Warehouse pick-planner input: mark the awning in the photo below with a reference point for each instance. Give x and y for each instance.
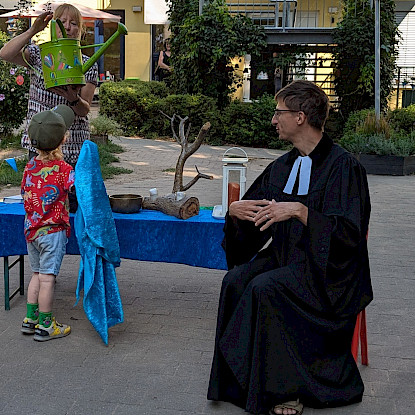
(86, 12)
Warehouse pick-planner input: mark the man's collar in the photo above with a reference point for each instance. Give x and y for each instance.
(319, 153)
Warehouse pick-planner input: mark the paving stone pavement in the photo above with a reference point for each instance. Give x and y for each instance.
(158, 360)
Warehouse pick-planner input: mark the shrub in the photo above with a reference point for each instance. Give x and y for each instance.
(126, 101)
(140, 106)
(103, 125)
(355, 120)
(198, 108)
(397, 144)
(372, 126)
(13, 97)
(402, 119)
(249, 123)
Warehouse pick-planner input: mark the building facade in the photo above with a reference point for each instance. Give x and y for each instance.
(297, 26)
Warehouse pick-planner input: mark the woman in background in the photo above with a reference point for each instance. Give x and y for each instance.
(164, 62)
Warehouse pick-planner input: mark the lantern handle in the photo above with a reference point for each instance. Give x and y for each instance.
(237, 148)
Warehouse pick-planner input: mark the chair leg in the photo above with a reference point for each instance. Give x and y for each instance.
(355, 340)
(363, 338)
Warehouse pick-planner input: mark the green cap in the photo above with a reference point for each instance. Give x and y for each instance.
(47, 128)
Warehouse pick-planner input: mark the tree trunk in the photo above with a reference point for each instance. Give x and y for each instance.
(182, 209)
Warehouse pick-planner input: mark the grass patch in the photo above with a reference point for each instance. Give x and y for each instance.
(10, 142)
(106, 158)
(10, 177)
(171, 170)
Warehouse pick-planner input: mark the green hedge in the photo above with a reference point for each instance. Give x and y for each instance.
(198, 108)
(127, 101)
(249, 123)
(138, 107)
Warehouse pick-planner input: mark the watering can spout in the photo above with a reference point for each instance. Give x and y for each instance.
(121, 30)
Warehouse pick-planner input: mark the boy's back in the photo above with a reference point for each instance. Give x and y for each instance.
(45, 187)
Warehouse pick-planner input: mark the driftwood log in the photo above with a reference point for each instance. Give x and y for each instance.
(187, 149)
(182, 209)
(188, 206)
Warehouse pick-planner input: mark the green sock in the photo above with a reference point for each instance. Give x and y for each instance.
(45, 319)
(32, 311)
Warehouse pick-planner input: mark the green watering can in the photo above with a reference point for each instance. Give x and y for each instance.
(62, 58)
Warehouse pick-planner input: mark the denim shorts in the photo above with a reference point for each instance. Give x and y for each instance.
(46, 252)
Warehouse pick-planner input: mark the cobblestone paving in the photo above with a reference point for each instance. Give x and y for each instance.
(158, 360)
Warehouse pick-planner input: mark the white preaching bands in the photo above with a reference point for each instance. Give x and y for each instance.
(304, 164)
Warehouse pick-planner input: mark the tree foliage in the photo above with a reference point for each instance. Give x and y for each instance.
(355, 54)
(14, 87)
(204, 46)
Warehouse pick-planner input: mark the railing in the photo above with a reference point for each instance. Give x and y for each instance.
(405, 86)
(283, 14)
(318, 71)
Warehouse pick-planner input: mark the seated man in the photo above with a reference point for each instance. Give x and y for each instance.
(288, 308)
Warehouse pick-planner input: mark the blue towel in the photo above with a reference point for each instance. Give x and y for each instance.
(98, 245)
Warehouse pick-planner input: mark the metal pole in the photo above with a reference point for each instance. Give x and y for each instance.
(201, 7)
(397, 90)
(377, 59)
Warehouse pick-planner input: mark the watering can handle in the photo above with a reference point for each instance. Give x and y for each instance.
(28, 64)
(53, 29)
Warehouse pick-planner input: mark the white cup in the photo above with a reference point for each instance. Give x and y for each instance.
(153, 193)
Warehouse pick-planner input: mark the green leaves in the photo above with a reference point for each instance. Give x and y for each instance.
(355, 54)
(203, 47)
(14, 87)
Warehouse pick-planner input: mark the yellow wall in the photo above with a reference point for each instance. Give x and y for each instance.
(138, 40)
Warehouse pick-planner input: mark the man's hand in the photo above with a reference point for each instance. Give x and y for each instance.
(279, 212)
(247, 209)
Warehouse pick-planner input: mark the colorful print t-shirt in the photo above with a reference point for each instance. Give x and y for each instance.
(45, 188)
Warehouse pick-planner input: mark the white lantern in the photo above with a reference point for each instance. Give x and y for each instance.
(233, 165)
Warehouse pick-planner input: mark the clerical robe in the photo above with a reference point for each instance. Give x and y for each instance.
(289, 303)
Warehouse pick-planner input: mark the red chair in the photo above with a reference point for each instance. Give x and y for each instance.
(360, 334)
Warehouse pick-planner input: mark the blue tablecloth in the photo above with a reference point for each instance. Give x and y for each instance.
(145, 236)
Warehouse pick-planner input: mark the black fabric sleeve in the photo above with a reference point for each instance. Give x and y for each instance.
(243, 239)
(337, 250)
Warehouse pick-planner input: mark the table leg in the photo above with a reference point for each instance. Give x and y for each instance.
(6, 283)
(20, 289)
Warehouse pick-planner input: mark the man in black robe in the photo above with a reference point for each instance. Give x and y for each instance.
(299, 272)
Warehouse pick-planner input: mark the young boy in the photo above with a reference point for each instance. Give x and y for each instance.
(47, 179)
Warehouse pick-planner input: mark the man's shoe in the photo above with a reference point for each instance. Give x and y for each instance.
(28, 325)
(55, 331)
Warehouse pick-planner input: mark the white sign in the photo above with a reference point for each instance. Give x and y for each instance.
(155, 11)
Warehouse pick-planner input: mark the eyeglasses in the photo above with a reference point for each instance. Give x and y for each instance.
(278, 112)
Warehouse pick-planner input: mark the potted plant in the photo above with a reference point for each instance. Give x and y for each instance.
(385, 146)
(101, 127)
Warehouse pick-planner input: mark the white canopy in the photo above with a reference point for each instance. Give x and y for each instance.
(155, 12)
(86, 12)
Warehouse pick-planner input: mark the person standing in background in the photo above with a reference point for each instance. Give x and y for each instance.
(164, 68)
